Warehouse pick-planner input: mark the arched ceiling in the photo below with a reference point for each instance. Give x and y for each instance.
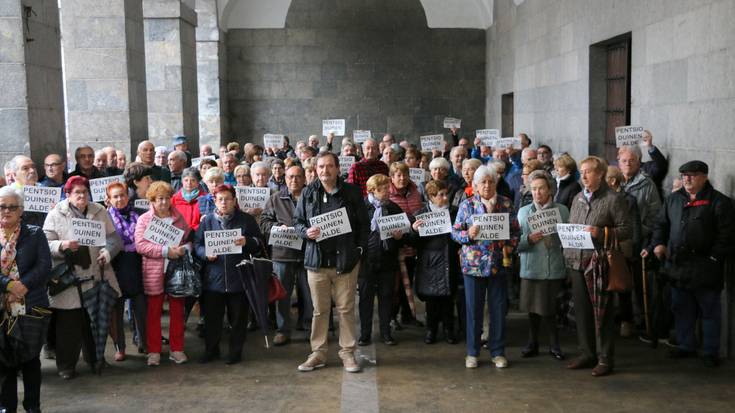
(271, 14)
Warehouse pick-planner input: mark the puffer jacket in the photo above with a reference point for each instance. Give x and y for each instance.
(606, 208)
(189, 209)
(543, 260)
(58, 228)
(408, 199)
(279, 210)
(649, 203)
(33, 259)
(437, 263)
(222, 275)
(153, 254)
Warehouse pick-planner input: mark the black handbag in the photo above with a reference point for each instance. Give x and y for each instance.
(182, 279)
(21, 337)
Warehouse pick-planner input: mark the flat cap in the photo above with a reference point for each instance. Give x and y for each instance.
(179, 140)
(693, 167)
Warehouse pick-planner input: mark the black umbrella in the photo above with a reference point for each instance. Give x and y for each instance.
(98, 302)
(256, 273)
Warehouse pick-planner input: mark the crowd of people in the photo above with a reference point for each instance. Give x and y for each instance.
(466, 278)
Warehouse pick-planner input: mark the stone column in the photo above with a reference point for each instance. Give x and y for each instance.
(171, 71)
(31, 92)
(211, 76)
(104, 73)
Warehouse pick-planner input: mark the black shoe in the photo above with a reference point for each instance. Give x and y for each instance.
(449, 336)
(207, 357)
(651, 341)
(388, 340)
(31, 410)
(98, 367)
(252, 326)
(67, 374)
(556, 353)
(711, 361)
(395, 325)
(677, 353)
(233, 359)
(364, 341)
(530, 350)
(430, 337)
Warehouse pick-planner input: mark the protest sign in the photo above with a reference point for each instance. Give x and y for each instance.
(345, 163)
(98, 187)
(272, 141)
(574, 236)
(417, 175)
(141, 204)
(361, 136)
(504, 143)
(332, 223)
(195, 162)
(40, 198)
(252, 196)
(285, 237)
(493, 227)
(628, 135)
(488, 137)
(88, 232)
(161, 233)
(222, 242)
(335, 126)
(388, 224)
(431, 142)
(450, 123)
(435, 223)
(544, 221)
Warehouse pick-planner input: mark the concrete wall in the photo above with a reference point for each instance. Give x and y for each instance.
(375, 64)
(211, 75)
(682, 81)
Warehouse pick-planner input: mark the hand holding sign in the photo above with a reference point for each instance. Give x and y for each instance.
(575, 236)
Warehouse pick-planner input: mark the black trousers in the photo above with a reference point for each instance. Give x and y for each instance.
(371, 283)
(215, 304)
(31, 385)
(439, 309)
(73, 334)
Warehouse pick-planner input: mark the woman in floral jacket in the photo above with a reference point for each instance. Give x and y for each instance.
(484, 264)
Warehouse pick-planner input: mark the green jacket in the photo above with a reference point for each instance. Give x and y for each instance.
(543, 260)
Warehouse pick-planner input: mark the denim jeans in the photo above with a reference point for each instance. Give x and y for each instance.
(287, 272)
(495, 290)
(687, 306)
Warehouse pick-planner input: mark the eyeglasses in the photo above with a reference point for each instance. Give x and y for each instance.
(10, 208)
(51, 165)
(690, 175)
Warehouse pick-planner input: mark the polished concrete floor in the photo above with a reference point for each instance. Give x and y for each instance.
(410, 377)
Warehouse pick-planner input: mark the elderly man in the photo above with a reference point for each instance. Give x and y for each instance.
(456, 156)
(100, 160)
(314, 142)
(332, 263)
(84, 155)
(181, 143)
(206, 150)
(25, 174)
(229, 163)
(370, 165)
(387, 140)
(8, 174)
(55, 176)
(288, 263)
(694, 236)
(546, 156)
(122, 160)
(146, 153)
(176, 165)
(112, 168)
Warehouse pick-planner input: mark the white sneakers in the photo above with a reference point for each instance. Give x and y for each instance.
(154, 359)
(470, 362)
(178, 357)
(500, 362)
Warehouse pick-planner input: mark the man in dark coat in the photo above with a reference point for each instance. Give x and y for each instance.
(694, 235)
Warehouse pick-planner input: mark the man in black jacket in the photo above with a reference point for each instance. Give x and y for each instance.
(694, 235)
(332, 263)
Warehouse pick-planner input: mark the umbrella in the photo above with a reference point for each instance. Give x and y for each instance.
(98, 302)
(595, 276)
(255, 274)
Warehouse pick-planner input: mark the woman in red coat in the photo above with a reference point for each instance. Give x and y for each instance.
(186, 201)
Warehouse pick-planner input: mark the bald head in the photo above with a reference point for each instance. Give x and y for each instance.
(147, 152)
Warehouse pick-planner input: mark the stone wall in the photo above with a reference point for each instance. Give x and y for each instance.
(211, 75)
(682, 82)
(375, 64)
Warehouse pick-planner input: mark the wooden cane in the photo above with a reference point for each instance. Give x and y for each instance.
(645, 298)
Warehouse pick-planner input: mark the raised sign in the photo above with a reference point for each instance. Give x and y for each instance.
(40, 198)
(431, 142)
(628, 135)
(361, 136)
(450, 123)
(335, 126)
(488, 137)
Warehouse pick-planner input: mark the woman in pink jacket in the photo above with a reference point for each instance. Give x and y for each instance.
(155, 259)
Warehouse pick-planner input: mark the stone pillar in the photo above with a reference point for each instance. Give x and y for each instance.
(104, 73)
(211, 76)
(31, 92)
(171, 71)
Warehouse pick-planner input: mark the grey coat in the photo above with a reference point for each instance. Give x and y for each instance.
(649, 203)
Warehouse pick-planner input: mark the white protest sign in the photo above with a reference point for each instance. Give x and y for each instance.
(361, 136)
(450, 123)
(544, 221)
(98, 186)
(418, 175)
(141, 204)
(335, 126)
(435, 223)
(331, 224)
(87, 232)
(252, 197)
(285, 237)
(345, 163)
(222, 242)
(574, 236)
(388, 224)
(161, 233)
(493, 227)
(195, 162)
(488, 137)
(40, 198)
(272, 141)
(504, 143)
(628, 135)
(431, 142)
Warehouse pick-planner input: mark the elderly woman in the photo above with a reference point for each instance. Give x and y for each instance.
(403, 191)
(214, 178)
(277, 181)
(25, 265)
(155, 260)
(469, 166)
(206, 164)
(524, 197)
(484, 265)
(254, 154)
(242, 176)
(138, 178)
(566, 180)
(437, 268)
(542, 265)
(90, 263)
(439, 170)
(598, 208)
(186, 200)
(128, 268)
(223, 287)
(309, 170)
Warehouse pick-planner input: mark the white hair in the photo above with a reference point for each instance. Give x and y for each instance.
(633, 149)
(178, 154)
(8, 191)
(439, 163)
(260, 164)
(457, 149)
(161, 150)
(12, 165)
(482, 172)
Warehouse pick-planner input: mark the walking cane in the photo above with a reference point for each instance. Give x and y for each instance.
(645, 298)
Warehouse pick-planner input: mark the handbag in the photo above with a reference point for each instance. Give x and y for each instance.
(276, 290)
(22, 336)
(182, 279)
(619, 277)
(62, 276)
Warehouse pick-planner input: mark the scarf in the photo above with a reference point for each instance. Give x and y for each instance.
(224, 220)
(125, 220)
(188, 196)
(378, 211)
(77, 212)
(434, 207)
(468, 191)
(8, 265)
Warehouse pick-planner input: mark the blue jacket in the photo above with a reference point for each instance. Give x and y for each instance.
(222, 275)
(34, 265)
(540, 261)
